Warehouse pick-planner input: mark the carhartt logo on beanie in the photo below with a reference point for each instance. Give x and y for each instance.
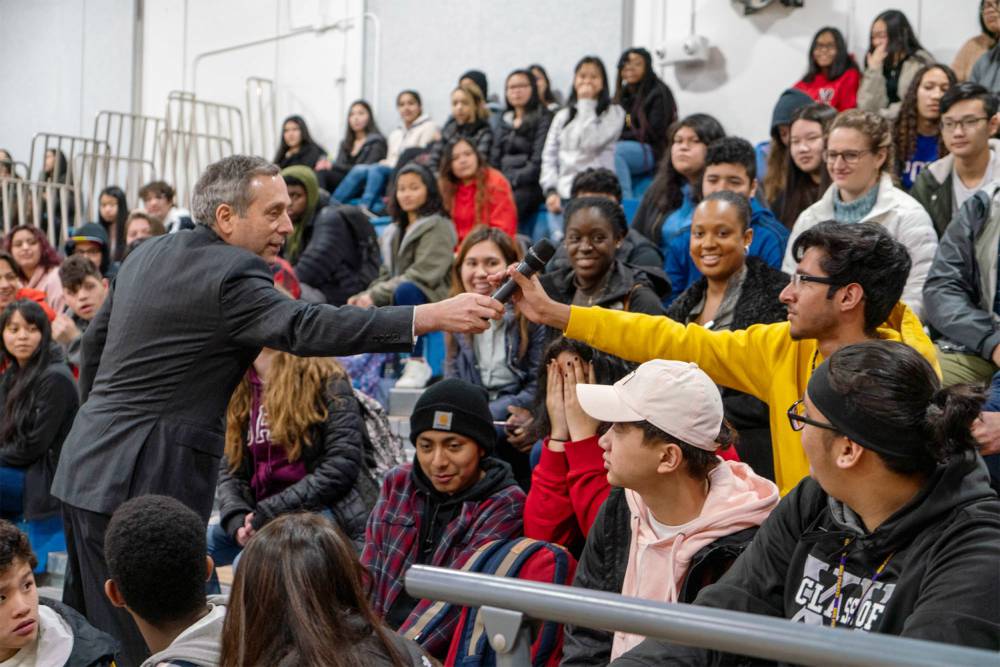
(457, 406)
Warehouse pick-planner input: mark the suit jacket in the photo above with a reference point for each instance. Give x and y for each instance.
(186, 316)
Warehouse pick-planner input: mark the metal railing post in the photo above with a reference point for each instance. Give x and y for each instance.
(508, 634)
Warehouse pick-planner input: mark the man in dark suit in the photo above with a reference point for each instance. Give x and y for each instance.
(185, 318)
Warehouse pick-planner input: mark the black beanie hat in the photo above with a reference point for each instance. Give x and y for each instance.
(457, 406)
(480, 80)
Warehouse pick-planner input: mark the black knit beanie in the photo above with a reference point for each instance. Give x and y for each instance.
(457, 406)
(480, 80)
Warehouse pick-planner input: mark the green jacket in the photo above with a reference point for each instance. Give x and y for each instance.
(422, 255)
(933, 189)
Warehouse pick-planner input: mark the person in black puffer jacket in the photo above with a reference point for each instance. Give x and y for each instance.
(363, 144)
(649, 110)
(333, 248)
(38, 401)
(594, 277)
(517, 146)
(294, 442)
(750, 289)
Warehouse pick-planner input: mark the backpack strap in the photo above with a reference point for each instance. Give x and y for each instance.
(475, 563)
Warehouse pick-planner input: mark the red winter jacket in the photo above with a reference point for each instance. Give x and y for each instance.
(498, 210)
(841, 93)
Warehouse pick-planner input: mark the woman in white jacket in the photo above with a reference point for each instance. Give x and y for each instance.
(582, 135)
(858, 156)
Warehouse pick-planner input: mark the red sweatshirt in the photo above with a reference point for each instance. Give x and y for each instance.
(567, 490)
(841, 93)
(499, 210)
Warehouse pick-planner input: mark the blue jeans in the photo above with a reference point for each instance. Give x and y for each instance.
(368, 180)
(408, 294)
(555, 226)
(224, 551)
(11, 493)
(632, 158)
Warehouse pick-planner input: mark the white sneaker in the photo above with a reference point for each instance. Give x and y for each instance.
(415, 375)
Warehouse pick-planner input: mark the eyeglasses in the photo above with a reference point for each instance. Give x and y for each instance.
(820, 46)
(991, 4)
(797, 418)
(850, 157)
(969, 123)
(798, 278)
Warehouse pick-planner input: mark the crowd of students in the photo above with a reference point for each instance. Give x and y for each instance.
(763, 378)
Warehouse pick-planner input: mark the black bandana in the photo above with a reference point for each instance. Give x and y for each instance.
(869, 432)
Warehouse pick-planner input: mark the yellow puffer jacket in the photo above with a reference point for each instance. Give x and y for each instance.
(762, 361)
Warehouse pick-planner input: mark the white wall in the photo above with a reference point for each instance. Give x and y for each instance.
(754, 58)
(60, 63)
(316, 75)
(428, 45)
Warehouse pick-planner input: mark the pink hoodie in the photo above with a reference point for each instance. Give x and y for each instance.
(737, 499)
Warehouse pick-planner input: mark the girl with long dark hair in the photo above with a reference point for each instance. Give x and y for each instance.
(833, 77)
(39, 262)
(806, 177)
(894, 56)
(39, 400)
(916, 134)
(363, 143)
(649, 109)
(297, 146)
(416, 257)
(518, 143)
(582, 135)
(667, 206)
(302, 570)
(549, 97)
(473, 192)
(112, 214)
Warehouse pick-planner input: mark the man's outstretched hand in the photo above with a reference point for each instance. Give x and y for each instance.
(532, 300)
(463, 313)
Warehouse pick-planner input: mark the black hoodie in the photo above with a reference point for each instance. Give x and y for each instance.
(942, 582)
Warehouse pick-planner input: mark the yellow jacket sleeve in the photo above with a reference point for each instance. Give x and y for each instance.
(743, 360)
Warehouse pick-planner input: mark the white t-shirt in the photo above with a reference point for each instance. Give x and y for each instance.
(961, 193)
(53, 646)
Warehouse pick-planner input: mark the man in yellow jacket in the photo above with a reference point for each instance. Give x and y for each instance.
(846, 289)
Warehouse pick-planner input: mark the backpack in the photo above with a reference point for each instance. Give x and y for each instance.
(366, 241)
(519, 558)
(383, 448)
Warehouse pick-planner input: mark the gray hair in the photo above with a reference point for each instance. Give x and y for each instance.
(228, 182)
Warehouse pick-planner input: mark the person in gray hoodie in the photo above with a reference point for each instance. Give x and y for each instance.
(155, 548)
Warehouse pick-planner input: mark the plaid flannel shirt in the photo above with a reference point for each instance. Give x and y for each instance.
(391, 544)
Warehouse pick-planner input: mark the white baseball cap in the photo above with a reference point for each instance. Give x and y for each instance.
(675, 396)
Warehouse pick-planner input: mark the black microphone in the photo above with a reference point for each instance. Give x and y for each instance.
(535, 260)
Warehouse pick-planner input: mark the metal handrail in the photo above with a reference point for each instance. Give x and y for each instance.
(720, 629)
